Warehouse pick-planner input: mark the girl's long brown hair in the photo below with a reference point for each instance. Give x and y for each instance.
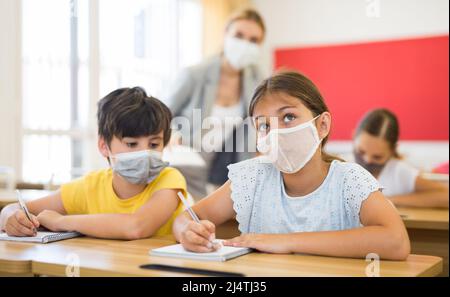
(381, 123)
(295, 85)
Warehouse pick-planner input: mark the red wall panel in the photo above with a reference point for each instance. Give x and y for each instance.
(410, 77)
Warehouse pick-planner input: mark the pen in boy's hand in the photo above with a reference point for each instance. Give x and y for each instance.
(24, 208)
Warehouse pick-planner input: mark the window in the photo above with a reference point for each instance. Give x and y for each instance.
(50, 102)
(152, 40)
(143, 43)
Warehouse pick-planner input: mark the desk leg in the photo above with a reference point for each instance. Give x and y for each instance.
(430, 242)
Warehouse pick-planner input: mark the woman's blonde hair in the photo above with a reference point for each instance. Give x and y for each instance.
(247, 14)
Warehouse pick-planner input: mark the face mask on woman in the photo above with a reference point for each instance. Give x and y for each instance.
(290, 149)
(241, 53)
(140, 167)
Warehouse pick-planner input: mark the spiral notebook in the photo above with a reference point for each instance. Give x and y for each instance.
(41, 237)
(223, 254)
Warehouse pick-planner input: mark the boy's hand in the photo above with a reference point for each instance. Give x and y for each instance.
(198, 237)
(51, 220)
(18, 224)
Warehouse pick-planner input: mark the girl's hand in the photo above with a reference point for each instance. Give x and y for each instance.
(51, 220)
(267, 243)
(198, 237)
(18, 224)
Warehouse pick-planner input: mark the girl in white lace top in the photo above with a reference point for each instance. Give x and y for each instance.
(295, 198)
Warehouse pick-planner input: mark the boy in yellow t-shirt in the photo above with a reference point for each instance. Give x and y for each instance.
(135, 198)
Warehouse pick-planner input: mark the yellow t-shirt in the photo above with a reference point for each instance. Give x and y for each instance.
(94, 194)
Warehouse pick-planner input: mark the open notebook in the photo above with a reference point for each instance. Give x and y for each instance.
(41, 237)
(223, 254)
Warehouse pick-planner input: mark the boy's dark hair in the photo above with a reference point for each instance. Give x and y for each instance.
(129, 112)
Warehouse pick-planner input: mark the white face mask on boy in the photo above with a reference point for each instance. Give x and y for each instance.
(140, 167)
(241, 53)
(290, 149)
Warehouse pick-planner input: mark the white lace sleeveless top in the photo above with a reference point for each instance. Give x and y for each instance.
(262, 205)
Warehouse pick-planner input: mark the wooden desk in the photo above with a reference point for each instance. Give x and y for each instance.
(8, 197)
(414, 218)
(427, 229)
(123, 258)
(424, 218)
(15, 258)
(428, 232)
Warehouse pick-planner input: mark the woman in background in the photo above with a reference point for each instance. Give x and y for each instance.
(375, 148)
(221, 87)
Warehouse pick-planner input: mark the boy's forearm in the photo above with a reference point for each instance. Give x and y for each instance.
(353, 243)
(117, 226)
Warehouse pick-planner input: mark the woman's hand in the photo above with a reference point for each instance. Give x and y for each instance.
(267, 243)
(199, 237)
(51, 220)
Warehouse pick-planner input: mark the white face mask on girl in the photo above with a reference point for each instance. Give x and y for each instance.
(290, 149)
(241, 53)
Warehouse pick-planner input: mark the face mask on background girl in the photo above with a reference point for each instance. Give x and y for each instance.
(373, 168)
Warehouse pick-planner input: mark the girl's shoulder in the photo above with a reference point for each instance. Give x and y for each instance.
(342, 171)
(353, 181)
(258, 166)
(256, 161)
(355, 173)
(356, 186)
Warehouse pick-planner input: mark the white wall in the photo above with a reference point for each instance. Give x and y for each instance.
(321, 22)
(10, 140)
(318, 22)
